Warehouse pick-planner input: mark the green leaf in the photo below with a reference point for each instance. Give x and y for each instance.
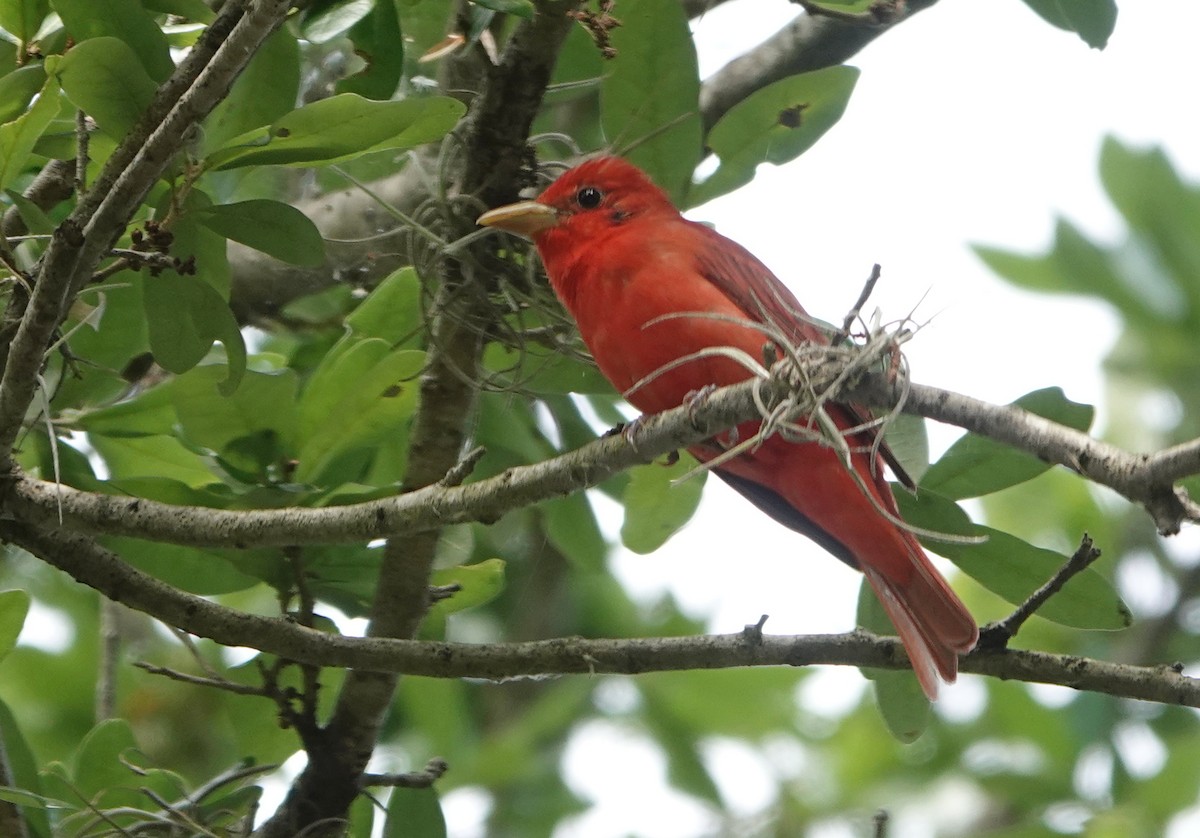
(392, 311)
(207, 250)
(345, 576)
(364, 394)
(849, 7)
(149, 413)
(125, 20)
(23, 774)
(17, 90)
(649, 99)
(571, 527)
(362, 815)
(412, 812)
(520, 8)
(97, 767)
(1092, 20)
(680, 740)
(14, 605)
(273, 227)
(18, 137)
(898, 695)
(152, 456)
(481, 583)
(265, 91)
(264, 402)
(656, 507)
(204, 572)
(908, 438)
(324, 20)
(339, 128)
(1014, 569)
(975, 465)
(902, 704)
(36, 221)
(541, 370)
(194, 10)
(1075, 265)
(379, 42)
(23, 18)
(1162, 211)
(185, 316)
(103, 77)
(775, 124)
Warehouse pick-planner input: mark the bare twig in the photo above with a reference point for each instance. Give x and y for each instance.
(463, 468)
(202, 681)
(998, 634)
(856, 310)
(110, 653)
(81, 151)
(423, 779)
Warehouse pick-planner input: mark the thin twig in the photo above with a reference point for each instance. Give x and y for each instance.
(856, 310)
(998, 634)
(463, 468)
(110, 653)
(200, 681)
(81, 151)
(423, 779)
(189, 644)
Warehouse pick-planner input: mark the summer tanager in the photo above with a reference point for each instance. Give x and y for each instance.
(633, 273)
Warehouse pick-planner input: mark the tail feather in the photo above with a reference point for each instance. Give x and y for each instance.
(933, 624)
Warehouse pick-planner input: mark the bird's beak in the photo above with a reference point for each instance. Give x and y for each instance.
(525, 218)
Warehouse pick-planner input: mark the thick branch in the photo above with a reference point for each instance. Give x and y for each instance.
(1145, 479)
(100, 569)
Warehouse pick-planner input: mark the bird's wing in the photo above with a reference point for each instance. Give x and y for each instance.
(758, 292)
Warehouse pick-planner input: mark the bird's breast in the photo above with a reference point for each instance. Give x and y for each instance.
(659, 330)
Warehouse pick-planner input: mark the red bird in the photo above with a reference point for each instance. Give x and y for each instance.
(622, 260)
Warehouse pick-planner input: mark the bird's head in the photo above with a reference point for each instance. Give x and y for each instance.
(588, 201)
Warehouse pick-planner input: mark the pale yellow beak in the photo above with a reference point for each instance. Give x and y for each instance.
(525, 218)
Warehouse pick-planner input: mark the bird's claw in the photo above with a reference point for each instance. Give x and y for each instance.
(630, 430)
(696, 399)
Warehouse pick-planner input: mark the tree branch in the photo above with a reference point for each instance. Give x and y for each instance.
(998, 634)
(93, 565)
(1144, 479)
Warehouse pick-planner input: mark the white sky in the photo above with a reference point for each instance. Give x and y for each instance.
(972, 122)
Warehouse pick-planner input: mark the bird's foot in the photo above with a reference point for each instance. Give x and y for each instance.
(628, 431)
(696, 399)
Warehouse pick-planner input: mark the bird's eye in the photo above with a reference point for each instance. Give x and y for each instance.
(589, 197)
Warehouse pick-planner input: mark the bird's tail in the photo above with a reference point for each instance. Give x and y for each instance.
(933, 624)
